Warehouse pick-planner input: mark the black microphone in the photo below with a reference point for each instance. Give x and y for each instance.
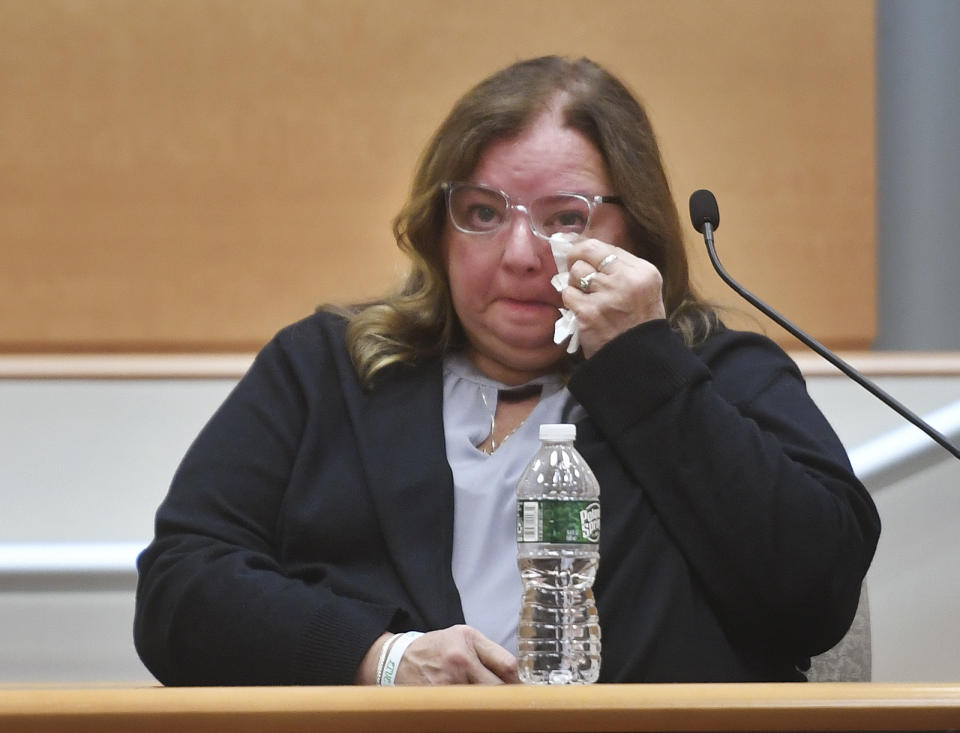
(705, 215)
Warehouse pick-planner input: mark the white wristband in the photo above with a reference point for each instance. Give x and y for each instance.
(383, 656)
(394, 656)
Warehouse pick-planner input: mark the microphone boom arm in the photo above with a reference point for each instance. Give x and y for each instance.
(822, 350)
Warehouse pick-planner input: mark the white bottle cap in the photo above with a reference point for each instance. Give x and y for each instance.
(561, 431)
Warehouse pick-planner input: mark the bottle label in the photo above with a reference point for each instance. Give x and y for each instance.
(558, 521)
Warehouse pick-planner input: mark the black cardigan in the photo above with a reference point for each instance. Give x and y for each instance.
(309, 516)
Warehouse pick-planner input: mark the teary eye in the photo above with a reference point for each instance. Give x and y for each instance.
(480, 214)
(565, 220)
(569, 219)
(561, 213)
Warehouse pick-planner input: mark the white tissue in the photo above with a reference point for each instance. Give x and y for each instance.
(566, 326)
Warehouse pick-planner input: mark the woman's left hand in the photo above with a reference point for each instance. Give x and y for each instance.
(622, 291)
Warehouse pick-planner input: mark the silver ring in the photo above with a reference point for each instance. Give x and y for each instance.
(612, 257)
(585, 282)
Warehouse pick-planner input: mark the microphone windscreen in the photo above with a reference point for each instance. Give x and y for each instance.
(703, 208)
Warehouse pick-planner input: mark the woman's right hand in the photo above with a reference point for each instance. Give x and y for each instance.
(456, 655)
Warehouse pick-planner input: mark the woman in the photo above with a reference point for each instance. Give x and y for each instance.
(359, 481)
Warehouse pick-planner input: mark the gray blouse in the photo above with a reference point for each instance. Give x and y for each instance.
(485, 489)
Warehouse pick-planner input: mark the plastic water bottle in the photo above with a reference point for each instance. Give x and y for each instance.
(558, 535)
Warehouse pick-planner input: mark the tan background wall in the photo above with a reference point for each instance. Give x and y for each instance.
(194, 174)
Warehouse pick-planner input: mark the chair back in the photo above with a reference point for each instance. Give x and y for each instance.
(851, 659)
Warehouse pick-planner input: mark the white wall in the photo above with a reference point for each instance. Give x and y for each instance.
(84, 461)
(88, 461)
(914, 583)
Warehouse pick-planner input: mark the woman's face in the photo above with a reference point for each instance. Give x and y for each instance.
(500, 282)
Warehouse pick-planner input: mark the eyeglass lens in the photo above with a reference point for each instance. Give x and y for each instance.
(483, 210)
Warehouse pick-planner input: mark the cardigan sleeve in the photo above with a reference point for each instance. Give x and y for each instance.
(214, 605)
(745, 474)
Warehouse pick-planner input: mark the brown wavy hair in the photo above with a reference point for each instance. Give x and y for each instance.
(419, 321)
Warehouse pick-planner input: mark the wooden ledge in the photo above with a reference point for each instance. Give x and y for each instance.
(883, 363)
(233, 365)
(681, 707)
(124, 366)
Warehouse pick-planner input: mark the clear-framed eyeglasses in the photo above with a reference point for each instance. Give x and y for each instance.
(476, 209)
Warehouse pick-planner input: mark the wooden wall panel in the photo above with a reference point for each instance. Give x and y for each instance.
(194, 174)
